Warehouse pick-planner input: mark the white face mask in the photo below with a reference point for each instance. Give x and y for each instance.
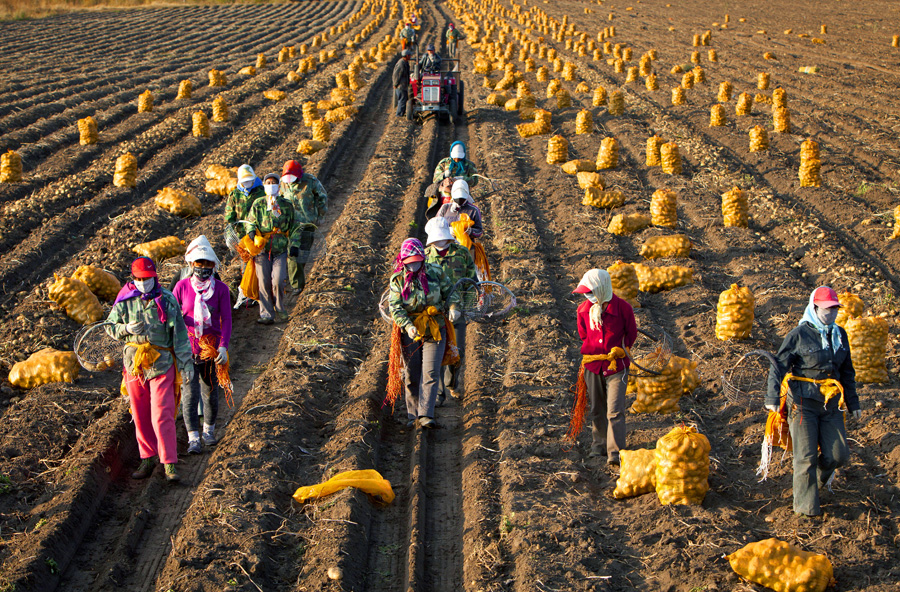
(144, 286)
(591, 298)
(441, 244)
(271, 189)
(414, 266)
(247, 184)
(827, 316)
(288, 179)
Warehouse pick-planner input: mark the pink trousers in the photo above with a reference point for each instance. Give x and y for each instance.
(153, 409)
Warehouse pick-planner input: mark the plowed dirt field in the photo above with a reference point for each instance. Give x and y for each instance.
(496, 499)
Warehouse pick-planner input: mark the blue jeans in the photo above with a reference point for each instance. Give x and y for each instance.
(820, 446)
(401, 94)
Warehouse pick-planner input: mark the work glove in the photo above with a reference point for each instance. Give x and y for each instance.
(772, 408)
(187, 373)
(294, 252)
(454, 314)
(412, 331)
(252, 234)
(136, 328)
(222, 358)
(857, 414)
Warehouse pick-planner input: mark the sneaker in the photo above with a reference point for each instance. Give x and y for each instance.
(440, 400)
(282, 317)
(144, 469)
(172, 473)
(427, 423)
(613, 460)
(209, 439)
(265, 321)
(194, 447)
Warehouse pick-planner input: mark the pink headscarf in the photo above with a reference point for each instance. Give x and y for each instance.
(409, 248)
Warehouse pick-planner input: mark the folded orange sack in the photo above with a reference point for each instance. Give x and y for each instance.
(370, 481)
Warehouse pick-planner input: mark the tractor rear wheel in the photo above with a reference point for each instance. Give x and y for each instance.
(460, 99)
(454, 111)
(410, 109)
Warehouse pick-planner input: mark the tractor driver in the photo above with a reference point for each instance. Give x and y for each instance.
(431, 61)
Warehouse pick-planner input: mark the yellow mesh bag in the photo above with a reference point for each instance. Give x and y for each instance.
(321, 131)
(599, 98)
(588, 179)
(637, 474)
(762, 81)
(10, 167)
(779, 98)
(724, 94)
(563, 99)
(624, 282)
(670, 158)
(682, 467)
(200, 125)
(102, 283)
(675, 245)
(717, 117)
(735, 207)
(185, 89)
(608, 155)
(247, 71)
(145, 102)
(658, 393)
(161, 249)
(734, 313)
(810, 166)
(310, 146)
(781, 120)
(623, 224)
(369, 481)
(219, 110)
(782, 567)
(76, 299)
(759, 139)
(573, 167)
(340, 114)
(125, 174)
(664, 208)
(744, 104)
(851, 307)
(557, 149)
(87, 131)
(584, 122)
(651, 83)
(616, 103)
(275, 95)
(594, 196)
(667, 277)
(690, 378)
(178, 202)
(43, 367)
(217, 78)
(678, 96)
(868, 345)
(221, 187)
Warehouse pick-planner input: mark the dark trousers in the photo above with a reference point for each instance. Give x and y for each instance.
(453, 374)
(401, 94)
(606, 395)
(296, 266)
(820, 447)
(204, 386)
(422, 374)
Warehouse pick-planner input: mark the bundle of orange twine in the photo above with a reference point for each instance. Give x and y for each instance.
(209, 351)
(580, 407)
(395, 366)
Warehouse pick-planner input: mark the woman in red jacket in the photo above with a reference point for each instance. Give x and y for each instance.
(606, 326)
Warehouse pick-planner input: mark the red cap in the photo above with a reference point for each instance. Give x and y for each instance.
(825, 297)
(413, 258)
(582, 289)
(292, 167)
(143, 267)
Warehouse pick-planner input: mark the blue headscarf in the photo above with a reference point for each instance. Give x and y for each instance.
(809, 316)
(458, 169)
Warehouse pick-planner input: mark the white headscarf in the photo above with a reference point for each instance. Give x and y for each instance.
(203, 290)
(460, 189)
(600, 284)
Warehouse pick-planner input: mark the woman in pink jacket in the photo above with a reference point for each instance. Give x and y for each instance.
(206, 306)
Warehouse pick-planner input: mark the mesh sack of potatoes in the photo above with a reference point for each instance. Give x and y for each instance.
(274, 95)
(851, 307)
(260, 61)
(651, 83)
(690, 378)
(217, 171)
(712, 55)
(310, 113)
(247, 71)
(161, 249)
(200, 125)
(527, 113)
(340, 114)
(734, 313)
(552, 87)
(221, 187)
(744, 104)
(321, 130)
(557, 149)
(868, 345)
(588, 179)
(293, 77)
(608, 155)
(573, 167)
(622, 224)
(563, 99)
(762, 98)
(674, 245)
(219, 110)
(658, 393)
(782, 567)
(779, 98)
(781, 120)
(759, 139)
(624, 282)
(667, 277)
(582, 87)
(43, 367)
(512, 104)
(616, 103)
(810, 165)
(178, 202)
(310, 146)
(343, 95)
(584, 122)
(695, 57)
(678, 96)
(497, 99)
(664, 208)
(99, 281)
(10, 167)
(724, 94)
(125, 174)
(76, 299)
(717, 116)
(599, 98)
(145, 102)
(735, 208)
(637, 473)
(598, 198)
(87, 131)
(631, 74)
(682, 466)
(217, 78)
(185, 89)
(687, 80)
(670, 158)
(762, 80)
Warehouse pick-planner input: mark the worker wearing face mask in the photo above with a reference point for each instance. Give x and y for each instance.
(310, 203)
(814, 381)
(274, 229)
(157, 358)
(437, 194)
(462, 203)
(457, 263)
(456, 166)
(249, 189)
(206, 307)
(418, 291)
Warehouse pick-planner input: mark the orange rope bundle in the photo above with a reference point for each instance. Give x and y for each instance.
(580, 407)
(395, 364)
(481, 261)
(209, 351)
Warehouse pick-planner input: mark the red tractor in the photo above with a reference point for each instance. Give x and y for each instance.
(439, 93)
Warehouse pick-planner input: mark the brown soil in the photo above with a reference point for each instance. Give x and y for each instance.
(496, 500)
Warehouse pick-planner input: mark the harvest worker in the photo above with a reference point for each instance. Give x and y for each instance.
(157, 358)
(607, 329)
(437, 194)
(273, 229)
(456, 166)
(452, 38)
(248, 190)
(206, 307)
(462, 203)
(407, 36)
(457, 263)
(814, 380)
(400, 78)
(310, 203)
(418, 293)
(430, 63)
